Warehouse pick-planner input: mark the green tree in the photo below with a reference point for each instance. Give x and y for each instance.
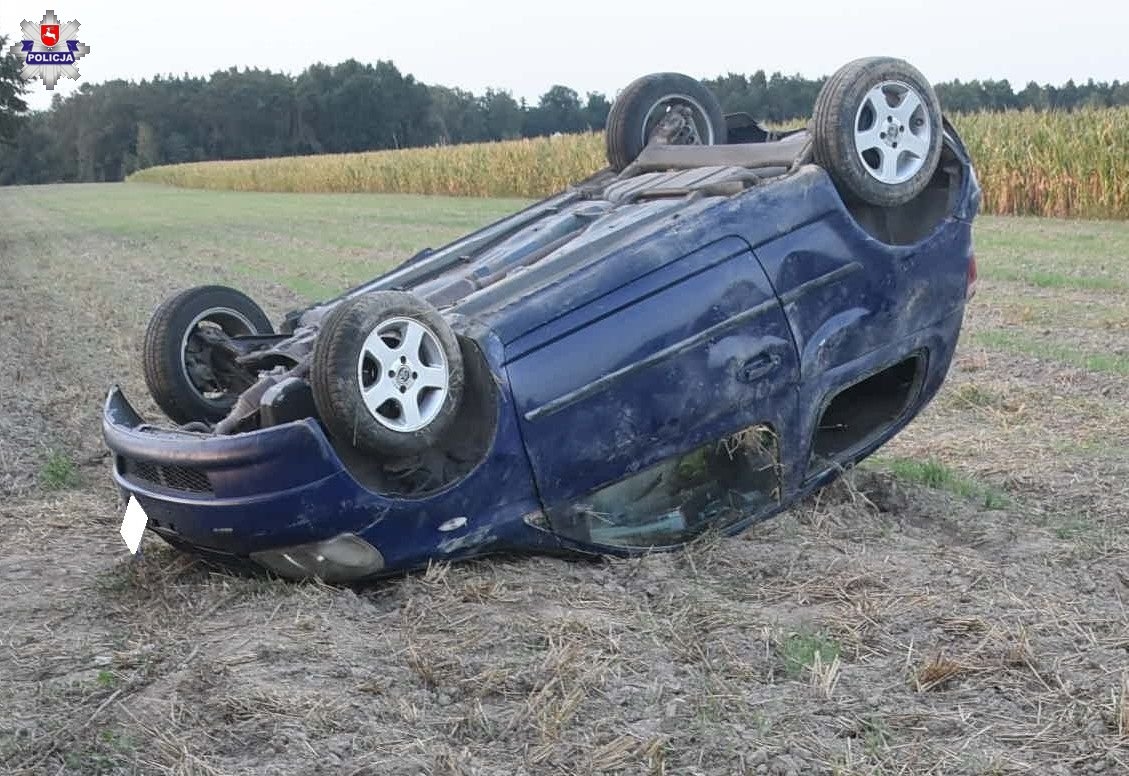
(148, 147)
(456, 115)
(596, 111)
(502, 115)
(1119, 93)
(12, 89)
(558, 111)
(1033, 96)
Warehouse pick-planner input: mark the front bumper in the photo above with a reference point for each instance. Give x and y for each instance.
(264, 496)
(224, 467)
(282, 498)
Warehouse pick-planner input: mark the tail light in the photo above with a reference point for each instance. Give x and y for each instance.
(971, 289)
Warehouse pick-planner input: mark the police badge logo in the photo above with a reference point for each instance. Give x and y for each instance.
(50, 50)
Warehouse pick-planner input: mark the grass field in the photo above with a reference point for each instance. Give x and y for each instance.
(956, 606)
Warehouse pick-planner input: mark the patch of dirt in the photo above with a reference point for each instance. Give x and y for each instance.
(880, 627)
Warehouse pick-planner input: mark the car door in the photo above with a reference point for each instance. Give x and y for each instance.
(853, 302)
(672, 365)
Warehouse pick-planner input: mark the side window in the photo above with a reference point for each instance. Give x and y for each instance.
(715, 485)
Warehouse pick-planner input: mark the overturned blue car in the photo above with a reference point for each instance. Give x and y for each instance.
(692, 339)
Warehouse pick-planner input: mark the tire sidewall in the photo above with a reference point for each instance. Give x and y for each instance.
(627, 118)
(337, 392)
(835, 142)
(165, 344)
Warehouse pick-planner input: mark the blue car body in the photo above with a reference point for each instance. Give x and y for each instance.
(619, 337)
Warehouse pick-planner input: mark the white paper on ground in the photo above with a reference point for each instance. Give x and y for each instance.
(133, 524)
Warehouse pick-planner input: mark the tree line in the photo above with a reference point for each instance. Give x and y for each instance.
(103, 132)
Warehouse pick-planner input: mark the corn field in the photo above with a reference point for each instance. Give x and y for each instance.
(1051, 164)
(517, 168)
(1073, 165)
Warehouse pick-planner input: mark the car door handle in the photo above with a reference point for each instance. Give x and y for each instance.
(757, 367)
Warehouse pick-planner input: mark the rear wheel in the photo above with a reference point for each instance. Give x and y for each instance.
(667, 107)
(387, 373)
(877, 130)
(186, 378)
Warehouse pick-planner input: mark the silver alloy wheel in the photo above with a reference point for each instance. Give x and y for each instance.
(231, 322)
(700, 129)
(402, 374)
(892, 132)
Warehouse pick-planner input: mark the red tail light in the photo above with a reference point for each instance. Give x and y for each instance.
(971, 291)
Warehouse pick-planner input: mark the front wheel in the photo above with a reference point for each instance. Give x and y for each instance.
(187, 379)
(387, 373)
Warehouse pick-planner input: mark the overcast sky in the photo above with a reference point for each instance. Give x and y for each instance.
(526, 46)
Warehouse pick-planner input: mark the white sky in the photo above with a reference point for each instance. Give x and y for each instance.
(525, 46)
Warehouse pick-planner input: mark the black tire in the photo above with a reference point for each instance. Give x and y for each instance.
(628, 122)
(167, 339)
(840, 112)
(336, 379)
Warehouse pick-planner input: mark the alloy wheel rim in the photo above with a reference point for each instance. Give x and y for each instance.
(892, 132)
(402, 374)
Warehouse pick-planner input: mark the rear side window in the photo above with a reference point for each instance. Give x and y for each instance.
(715, 485)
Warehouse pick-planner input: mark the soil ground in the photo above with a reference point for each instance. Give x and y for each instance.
(954, 606)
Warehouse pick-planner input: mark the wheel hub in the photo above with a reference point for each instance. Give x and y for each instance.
(677, 119)
(404, 377)
(195, 348)
(891, 133)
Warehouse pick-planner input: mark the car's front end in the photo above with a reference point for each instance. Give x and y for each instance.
(282, 497)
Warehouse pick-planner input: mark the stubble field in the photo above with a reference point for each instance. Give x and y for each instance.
(956, 606)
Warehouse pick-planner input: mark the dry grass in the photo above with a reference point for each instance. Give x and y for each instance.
(885, 626)
(1049, 164)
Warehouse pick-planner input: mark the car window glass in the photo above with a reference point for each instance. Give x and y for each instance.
(714, 485)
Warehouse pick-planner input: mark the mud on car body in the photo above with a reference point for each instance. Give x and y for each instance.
(692, 338)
